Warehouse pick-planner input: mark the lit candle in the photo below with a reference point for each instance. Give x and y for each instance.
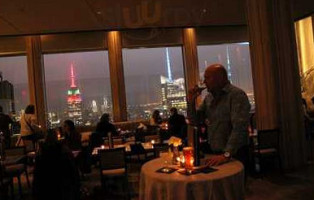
(182, 161)
(102, 147)
(153, 141)
(191, 161)
(59, 136)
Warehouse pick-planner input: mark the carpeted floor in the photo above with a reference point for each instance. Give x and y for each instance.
(297, 185)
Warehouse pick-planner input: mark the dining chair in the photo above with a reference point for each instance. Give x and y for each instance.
(139, 135)
(113, 166)
(267, 146)
(15, 164)
(138, 153)
(5, 184)
(160, 148)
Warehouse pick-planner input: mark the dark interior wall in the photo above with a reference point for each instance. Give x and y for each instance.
(12, 45)
(302, 8)
(71, 42)
(174, 13)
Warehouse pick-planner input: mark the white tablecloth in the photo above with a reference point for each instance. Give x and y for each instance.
(227, 183)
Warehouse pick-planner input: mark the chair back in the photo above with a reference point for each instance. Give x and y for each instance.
(268, 139)
(160, 148)
(112, 158)
(139, 135)
(137, 148)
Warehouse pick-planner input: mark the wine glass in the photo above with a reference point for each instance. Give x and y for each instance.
(201, 85)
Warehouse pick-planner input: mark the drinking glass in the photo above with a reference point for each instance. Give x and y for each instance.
(188, 156)
(201, 85)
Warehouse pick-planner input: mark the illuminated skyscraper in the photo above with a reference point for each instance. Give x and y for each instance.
(74, 101)
(172, 90)
(94, 106)
(6, 95)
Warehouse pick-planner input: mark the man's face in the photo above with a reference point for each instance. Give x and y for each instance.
(210, 80)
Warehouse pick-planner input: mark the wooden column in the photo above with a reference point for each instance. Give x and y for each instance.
(275, 75)
(117, 76)
(36, 84)
(190, 58)
(191, 71)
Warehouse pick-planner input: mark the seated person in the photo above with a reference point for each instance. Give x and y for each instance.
(177, 124)
(155, 120)
(102, 129)
(30, 130)
(104, 126)
(55, 173)
(72, 138)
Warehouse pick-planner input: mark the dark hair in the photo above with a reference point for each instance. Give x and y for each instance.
(1, 109)
(30, 109)
(105, 117)
(156, 117)
(174, 110)
(70, 124)
(156, 113)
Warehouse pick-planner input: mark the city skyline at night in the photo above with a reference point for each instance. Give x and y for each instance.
(143, 69)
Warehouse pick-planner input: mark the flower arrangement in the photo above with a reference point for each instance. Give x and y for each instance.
(175, 141)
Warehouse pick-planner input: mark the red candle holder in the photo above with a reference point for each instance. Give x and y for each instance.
(188, 153)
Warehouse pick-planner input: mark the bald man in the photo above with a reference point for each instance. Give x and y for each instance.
(225, 111)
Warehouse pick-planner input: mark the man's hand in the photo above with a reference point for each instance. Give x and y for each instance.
(217, 160)
(193, 93)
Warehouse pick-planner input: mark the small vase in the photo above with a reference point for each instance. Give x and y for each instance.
(175, 154)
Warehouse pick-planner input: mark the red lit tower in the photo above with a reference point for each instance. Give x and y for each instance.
(74, 101)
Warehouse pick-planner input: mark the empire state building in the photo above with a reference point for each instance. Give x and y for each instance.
(74, 101)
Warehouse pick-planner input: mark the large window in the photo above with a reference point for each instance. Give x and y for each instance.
(15, 81)
(235, 58)
(154, 79)
(77, 87)
(305, 43)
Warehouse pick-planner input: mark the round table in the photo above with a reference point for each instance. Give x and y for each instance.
(227, 183)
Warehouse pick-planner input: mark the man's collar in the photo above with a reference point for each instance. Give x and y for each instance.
(225, 89)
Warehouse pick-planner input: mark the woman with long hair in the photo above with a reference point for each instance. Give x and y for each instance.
(155, 120)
